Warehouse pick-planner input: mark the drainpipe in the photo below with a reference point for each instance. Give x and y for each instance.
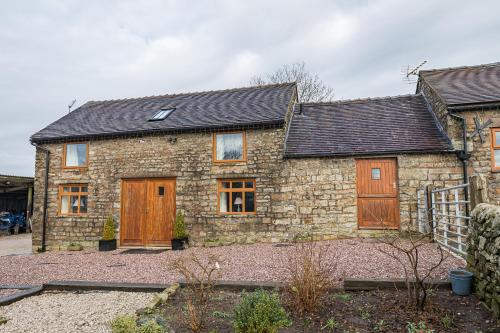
(464, 156)
(46, 195)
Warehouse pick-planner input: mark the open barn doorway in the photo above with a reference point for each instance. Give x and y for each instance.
(16, 203)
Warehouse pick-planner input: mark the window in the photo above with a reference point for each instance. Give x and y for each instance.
(162, 114)
(229, 147)
(495, 149)
(73, 199)
(75, 155)
(375, 173)
(236, 196)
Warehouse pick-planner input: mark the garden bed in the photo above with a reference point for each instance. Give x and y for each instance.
(357, 311)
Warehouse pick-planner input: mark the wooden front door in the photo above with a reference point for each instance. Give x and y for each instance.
(148, 212)
(377, 191)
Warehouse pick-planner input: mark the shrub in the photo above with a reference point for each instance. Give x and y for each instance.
(124, 324)
(180, 226)
(109, 228)
(128, 324)
(200, 276)
(418, 328)
(150, 326)
(310, 276)
(260, 312)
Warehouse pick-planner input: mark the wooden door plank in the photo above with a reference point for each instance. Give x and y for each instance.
(132, 212)
(160, 212)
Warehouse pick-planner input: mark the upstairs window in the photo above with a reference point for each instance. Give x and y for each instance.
(76, 155)
(229, 147)
(73, 199)
(495, 149)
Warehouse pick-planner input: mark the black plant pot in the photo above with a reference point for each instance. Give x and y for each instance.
(107, 245)
(179, 243)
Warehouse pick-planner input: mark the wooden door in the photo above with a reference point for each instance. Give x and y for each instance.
(148, 212)
(160, 212)
(377, 192)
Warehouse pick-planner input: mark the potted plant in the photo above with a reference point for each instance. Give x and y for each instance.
(180, 239)
(108, 241)
(74, 247)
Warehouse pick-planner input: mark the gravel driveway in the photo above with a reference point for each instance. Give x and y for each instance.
(258, 262)
(15, 244)
(70, 312)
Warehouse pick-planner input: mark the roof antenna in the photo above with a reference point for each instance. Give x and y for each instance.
(71, 105)
(410, 74)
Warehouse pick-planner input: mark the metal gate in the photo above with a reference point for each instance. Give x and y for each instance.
(443, 212)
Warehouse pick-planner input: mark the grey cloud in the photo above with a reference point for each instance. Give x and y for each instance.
(54, 51)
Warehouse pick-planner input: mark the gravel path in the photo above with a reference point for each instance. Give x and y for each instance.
(70, 312)
(258, 262)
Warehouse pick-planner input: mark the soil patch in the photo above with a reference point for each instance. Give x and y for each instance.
(359, 311)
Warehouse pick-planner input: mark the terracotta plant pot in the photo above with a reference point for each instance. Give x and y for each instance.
(107, 245)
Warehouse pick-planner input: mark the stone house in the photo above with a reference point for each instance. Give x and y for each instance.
(254, 165)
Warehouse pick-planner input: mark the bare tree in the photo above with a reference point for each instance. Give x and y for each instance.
(405, 246)
(310, 87)
(310, 272)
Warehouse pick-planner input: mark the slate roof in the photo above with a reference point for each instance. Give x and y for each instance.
(465, 85)
(368, 126)
(261, 105)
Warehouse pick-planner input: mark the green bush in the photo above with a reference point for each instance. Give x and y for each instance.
(260, 312)
(150, 326)
(128, 324)
(109, 229)
(124, 324)
(180, 226)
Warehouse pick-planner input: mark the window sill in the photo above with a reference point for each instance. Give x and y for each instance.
(75, 168)
(71, 216)
(236, 214)
(229, 162)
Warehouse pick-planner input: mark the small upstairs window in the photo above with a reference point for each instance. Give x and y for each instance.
(76, 155)
(162, 114)
(229, 147)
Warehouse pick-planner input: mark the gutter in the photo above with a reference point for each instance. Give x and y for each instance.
(463, 155)
(45, 198)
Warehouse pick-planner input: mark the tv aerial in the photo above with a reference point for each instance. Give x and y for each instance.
(71, 105)
(410, 74)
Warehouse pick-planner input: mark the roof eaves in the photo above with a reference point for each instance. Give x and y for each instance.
(266, 124)
(354, 154)
(474, 106)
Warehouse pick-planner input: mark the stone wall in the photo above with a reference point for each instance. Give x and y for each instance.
(483, 254)
(480, 161)
(293, 196)
(187, 157)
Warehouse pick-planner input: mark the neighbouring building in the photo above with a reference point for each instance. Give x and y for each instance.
(254, 165)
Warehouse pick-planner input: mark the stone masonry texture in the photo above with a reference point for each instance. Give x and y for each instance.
(483, 254)
(294, 197)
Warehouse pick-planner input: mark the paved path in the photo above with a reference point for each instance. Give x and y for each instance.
(15, 244)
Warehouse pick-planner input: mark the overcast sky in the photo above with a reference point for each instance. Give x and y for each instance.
(52, 52)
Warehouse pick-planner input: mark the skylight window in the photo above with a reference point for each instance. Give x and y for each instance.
(162, 114)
